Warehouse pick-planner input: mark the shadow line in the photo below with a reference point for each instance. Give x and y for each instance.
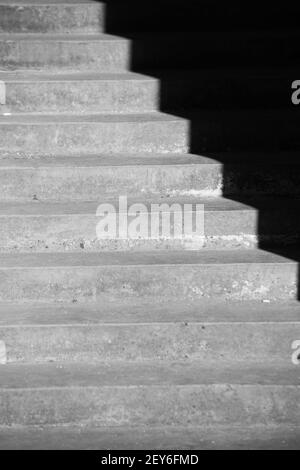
(228, 69)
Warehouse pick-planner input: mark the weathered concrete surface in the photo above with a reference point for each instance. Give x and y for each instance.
(68, 135)
(139, 395)
(51, 227)
(153, 132)
(112, 53)
(156, 276)
(96, 52)
(99, 177)
(136, 311)
(93, 177)
(80, 93)
(159, 339)
(52, 17)
(94, 92)
(217, 344)
(143, 438)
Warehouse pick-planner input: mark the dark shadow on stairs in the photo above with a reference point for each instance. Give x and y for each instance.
(205, 76)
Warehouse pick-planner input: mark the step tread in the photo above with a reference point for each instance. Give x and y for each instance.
(150, 74)
(51, 37)
(31, 76)
(150, 36)
(141, 312)
(198, 115)
(142, 438)
(41, 119)
(45, 2)
(126, 159)
(160, 258)
(213, 204)
(87, 161)
(122, 374)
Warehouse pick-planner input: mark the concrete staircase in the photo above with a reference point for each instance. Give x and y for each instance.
(148, 343)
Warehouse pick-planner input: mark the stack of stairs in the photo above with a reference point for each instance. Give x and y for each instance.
(147, 343)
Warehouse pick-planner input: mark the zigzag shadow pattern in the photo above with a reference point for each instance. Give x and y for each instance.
(228, 69)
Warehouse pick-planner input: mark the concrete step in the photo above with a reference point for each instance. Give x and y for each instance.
(206, 332)
(108, 53)
(98, 52)
(157, 438)
(205, 131)
(51, 16)
(141, 395)
(79, 93)
(137, 311)
(30, 135)
(102, 177)
(228, 224)
(156, 276)
(128, 92)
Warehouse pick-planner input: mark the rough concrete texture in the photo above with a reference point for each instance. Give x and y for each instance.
(135, 311)
(167, 395)
(100, 53)
(153, 132)
(268, 343)
(50, 227)
(52, 135)
(52, 17)
(93, 277)
(128, 92)
(129, 438)
(108, 53)
(99, 177)
(157, 343)
(81, 93)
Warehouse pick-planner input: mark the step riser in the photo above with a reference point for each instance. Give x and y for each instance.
(176, 136)
(101, 183)
(215, 344)
(59, 18)
(115, 406)
(152, 283)
(103, 56)
(109, 96)
(136, 54)
(103, 96)
(92, 137)
(128, 438)
(227, 230)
